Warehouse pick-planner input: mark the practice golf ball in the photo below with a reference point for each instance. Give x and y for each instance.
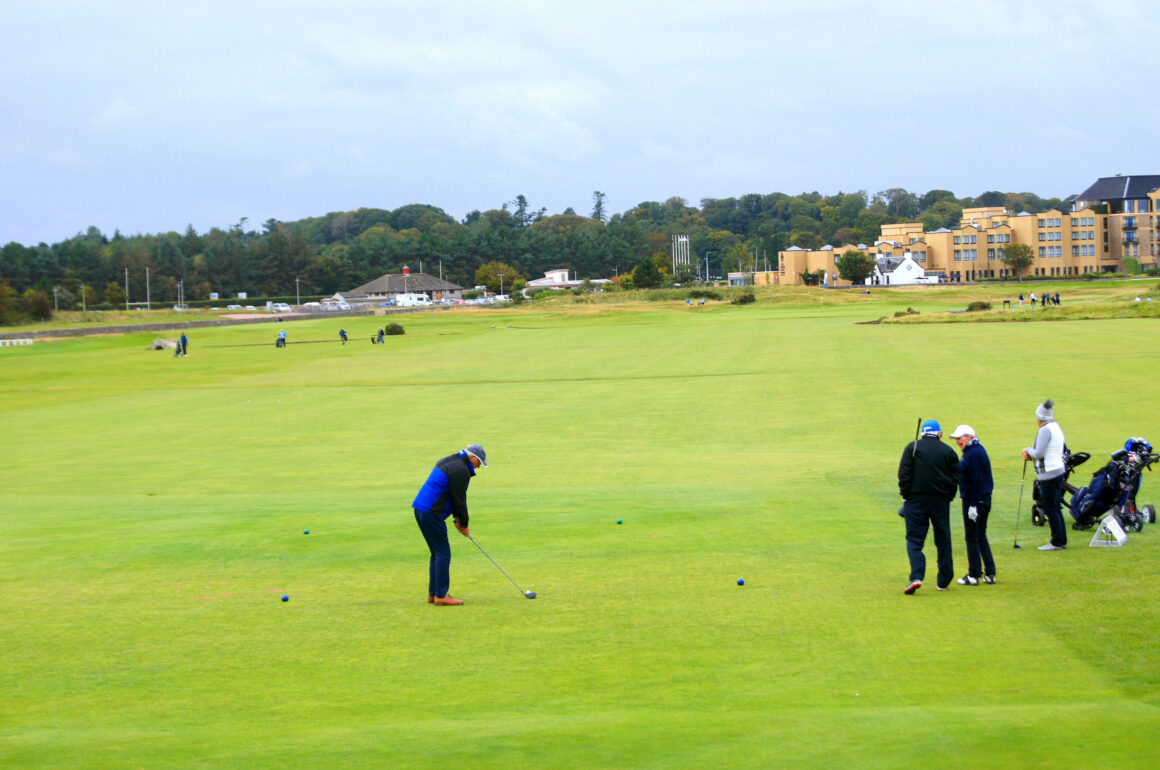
(620, 521)
(285, 597)
(740, 581)
(306, 532)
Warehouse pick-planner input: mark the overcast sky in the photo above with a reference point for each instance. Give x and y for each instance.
(146, 117)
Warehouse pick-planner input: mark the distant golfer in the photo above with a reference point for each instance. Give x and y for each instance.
(975, 487)
(445, 494)
(281, 341)
(342, 335)
(1047, 455)
(183, 343)
(928, 476)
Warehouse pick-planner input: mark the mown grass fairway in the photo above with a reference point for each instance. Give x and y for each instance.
(152, 512)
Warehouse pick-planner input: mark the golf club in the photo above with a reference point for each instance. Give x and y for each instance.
(1020, 506)
(529, 594)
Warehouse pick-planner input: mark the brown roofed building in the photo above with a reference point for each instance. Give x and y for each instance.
(391, 285)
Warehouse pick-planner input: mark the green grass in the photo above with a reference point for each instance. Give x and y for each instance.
(153, 512)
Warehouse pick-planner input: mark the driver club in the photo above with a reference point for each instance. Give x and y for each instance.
(529, 594)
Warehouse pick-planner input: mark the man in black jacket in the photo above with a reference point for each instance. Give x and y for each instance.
(928, 477)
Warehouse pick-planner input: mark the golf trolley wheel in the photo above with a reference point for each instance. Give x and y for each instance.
(1038, 516)
(1148, 512)
(1135, 523)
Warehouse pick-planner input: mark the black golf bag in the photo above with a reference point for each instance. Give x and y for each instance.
(1070, 461)
(1114, 488)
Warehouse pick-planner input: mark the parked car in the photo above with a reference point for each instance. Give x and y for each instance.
(250, 307)
(233, 307)
(311, 306)
(280, 307)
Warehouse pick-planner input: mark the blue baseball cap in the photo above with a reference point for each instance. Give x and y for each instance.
(476, 451)
(931, 428)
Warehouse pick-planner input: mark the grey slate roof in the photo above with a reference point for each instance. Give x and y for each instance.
(1115, 188)
(393, 283)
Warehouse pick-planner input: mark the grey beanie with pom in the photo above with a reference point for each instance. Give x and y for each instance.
(1045, 411)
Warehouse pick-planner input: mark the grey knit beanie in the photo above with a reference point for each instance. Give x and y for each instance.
(1046, 411)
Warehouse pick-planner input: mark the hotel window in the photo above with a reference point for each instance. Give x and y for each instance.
(991, 238)
(1075, 222)
(974, 239)
(1042, 252)
(999, 254)
(1075, 251)
(1075, 235)
(1041, 223)
(1043, 236)
(1130, 206)
(958, 240)
(990, 253)
(958, 255)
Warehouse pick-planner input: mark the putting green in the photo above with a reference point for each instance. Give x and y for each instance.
(153, 513)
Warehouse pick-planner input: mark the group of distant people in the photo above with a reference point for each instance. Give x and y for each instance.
(1046, 300)
(930, 474)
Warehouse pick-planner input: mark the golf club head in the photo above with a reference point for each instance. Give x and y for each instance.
(1019, 546)
(530, 594)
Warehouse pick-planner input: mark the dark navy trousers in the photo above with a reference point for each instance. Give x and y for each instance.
(1050, 491)
(434, 531)
(923, 512)
(979, 559)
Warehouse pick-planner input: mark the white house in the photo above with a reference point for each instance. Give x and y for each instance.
(558, 279)
(892, 271)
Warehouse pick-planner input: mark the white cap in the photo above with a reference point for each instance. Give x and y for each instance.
(963, 430)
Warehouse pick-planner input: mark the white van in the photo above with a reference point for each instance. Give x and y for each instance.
(413, 300)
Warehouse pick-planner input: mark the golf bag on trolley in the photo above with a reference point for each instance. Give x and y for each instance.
(1070, 461)
(1114, 488)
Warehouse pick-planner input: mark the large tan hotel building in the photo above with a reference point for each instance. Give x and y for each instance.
(1116, 219)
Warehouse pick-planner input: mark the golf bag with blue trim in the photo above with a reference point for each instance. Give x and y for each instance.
(1114, 488)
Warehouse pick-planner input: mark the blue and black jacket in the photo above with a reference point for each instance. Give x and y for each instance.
(975, 481)
(445, 491)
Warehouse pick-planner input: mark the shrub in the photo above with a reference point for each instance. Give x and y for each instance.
(394, 328)
(974, 306)
(908, 311)
(704, 293)
(744, 299)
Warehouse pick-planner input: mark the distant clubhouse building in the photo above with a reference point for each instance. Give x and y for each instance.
(1115, 219)
(391, 285)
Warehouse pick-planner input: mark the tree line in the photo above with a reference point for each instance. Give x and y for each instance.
(341, 250)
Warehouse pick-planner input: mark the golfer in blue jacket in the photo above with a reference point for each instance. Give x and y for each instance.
(444, 495)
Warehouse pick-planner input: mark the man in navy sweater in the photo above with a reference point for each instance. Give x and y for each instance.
(975, 487)
(445, 494)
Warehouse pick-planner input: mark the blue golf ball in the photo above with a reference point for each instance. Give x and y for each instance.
(740, 581)
(285, 597)
(306, 532)
(620, 521)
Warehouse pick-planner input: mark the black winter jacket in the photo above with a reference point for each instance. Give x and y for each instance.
(932, 469)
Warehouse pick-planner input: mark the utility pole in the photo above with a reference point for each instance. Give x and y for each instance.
(297, 295)
(55, 301)
(148, 299)
(126, 288)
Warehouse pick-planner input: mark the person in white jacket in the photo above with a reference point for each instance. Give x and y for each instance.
(1049, 472)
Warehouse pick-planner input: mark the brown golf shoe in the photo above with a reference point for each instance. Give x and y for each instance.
(447, 600)
(430, 598)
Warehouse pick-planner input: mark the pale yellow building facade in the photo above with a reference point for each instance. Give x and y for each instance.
(1116, 219)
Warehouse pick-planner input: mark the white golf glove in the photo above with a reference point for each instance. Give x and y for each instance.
(973, 513)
